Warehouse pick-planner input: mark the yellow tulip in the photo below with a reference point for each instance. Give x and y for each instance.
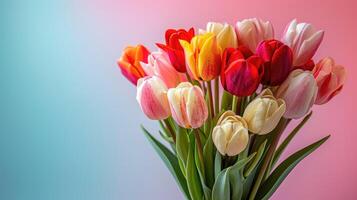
(203, 56)
(226, 35)
(230, 136)
(264, 112)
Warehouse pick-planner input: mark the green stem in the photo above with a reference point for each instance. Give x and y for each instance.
(170, 129)
(199, 146)
(216, 95)
(209, 90)
(267, 158)
(234, 103)
(188, 77)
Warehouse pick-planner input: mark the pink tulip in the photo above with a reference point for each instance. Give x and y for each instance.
(152, 97)
(303, 39)
(159, 65)
(188, 106)
(330, 78)
(251, 32)
(299, 92)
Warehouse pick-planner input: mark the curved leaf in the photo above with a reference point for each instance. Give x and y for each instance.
(282, 171)
(287, 140)
(170, 161)
(193, 179)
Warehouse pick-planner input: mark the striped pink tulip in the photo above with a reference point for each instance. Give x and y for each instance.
(188, 105)
(330, 78)
(152, 98)
(159, 65)
(299, 92)
(303, 39)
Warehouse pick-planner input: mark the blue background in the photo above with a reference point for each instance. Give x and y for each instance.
(65, 130)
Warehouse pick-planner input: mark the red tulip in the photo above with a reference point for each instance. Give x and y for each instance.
(277, 59)
(173, 47)
(129, 62)
(241, 71)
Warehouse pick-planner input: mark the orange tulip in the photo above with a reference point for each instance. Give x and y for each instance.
(129, 62)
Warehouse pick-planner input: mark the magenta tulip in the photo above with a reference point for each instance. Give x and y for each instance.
(277, 59)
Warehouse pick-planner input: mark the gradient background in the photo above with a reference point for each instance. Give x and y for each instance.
(69, 122)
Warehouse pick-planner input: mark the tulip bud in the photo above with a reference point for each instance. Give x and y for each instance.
(226, 36)
(277, 61)
(230, 135)
(160, 66)
(152, 98)
(241, 72)
(129, 62)
(203, 56)
(330, 79)
(264, 112)
(174, 49)
(299, 92)
(303, 39)
(253, 31)
(188, 106)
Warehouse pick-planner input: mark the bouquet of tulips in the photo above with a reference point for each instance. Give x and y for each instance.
(223, 98)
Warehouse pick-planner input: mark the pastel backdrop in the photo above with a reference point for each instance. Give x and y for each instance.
(69, 122)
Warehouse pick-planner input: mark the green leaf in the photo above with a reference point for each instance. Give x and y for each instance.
(256, 160)
(282, 171)
(208, 156)
(229, 182)
(226, 101)
(170, 160)
(193, 179)
(217, 164)
(182, 145)
(236, 177)
(287, 140)
(221, 188)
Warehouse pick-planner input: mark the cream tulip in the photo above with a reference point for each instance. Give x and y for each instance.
(188, 105)
(230, 135)
(264, 113)
(299, 92)
(225, 33)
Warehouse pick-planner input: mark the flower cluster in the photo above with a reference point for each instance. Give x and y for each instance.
(234, 88)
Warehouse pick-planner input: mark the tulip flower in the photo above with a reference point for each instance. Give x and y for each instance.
(251, 32)
(299, 92)
(152, 98)
(226, 36)
(241, 71)
(129, 62)
(277, 61)
(230, 135)
(159, 65)
(188, 105)
(264, 112)
(330, 78)
(173, 47)
(203, 56)
(303, 39)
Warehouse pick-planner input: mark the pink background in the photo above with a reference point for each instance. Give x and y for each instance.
(330, 172)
